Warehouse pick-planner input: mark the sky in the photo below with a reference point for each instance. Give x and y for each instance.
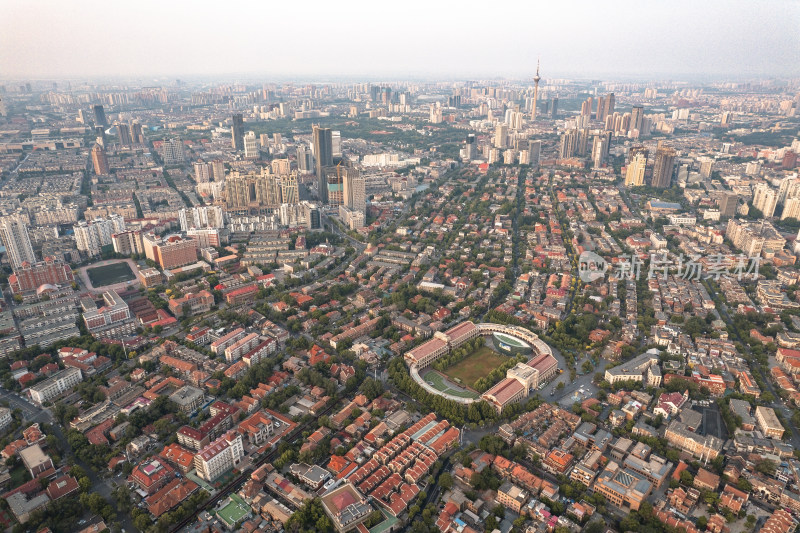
(408, 39)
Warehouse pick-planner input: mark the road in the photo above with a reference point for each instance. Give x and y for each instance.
(32, 414)
(722, 309)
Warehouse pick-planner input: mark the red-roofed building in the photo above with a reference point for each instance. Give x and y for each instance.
(179, 456)
(169, 497)
(62, 486)
(151, 475)
(97, 435)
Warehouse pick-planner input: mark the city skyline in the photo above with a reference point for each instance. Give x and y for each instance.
(624, 40)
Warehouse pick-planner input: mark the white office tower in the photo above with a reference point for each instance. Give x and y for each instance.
(17, 243)
(524, 157)
(634, 174)
(90, 237)
(354, 191)
(509, 156)
(336, 143)
(172, 151)
(250, 145)
(765, 199)
(205, 216)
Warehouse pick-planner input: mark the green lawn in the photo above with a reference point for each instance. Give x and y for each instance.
(438, 382)
(19, 475)
(476, 365)
(110, 274)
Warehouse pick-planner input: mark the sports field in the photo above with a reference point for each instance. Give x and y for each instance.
(110, 274)
(476, 365)
(234, 511)
(440, 383)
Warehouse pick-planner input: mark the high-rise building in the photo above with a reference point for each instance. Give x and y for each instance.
(217, 170)
(281, 166)
(305, 159)
(534, 152)
(599, 151)
(202, 172)
(608, 108)
(583, 142)
(100, 116)
(706, 167)
(323, 154)
(259, 194)
(753, 168)
(765, 199)
(128, 242)
(205, 216)
(791, 209)
(354, 190)
(334, 180)
(124, 132)
(237, 133)
(250, 146)
(586, 107)
(290, 192)
(136, 133)
(172, 152)
(535, 91)
(554, 108)
(91, 236)
(468, 152)
(600, 114)
(336, 144)
(637, 114)
(99, 160)
(501, 136)
(312, 214)
(663, 167)
(727, 204)
(18, 245)
(634, 173)
(569, 144)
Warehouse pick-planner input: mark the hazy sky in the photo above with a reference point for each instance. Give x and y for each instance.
(399, 39)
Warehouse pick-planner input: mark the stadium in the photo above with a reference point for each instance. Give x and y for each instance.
(520, 380)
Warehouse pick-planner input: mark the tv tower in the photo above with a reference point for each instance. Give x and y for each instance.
(535, 91)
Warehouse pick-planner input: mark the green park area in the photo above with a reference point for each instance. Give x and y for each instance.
(476, 365)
